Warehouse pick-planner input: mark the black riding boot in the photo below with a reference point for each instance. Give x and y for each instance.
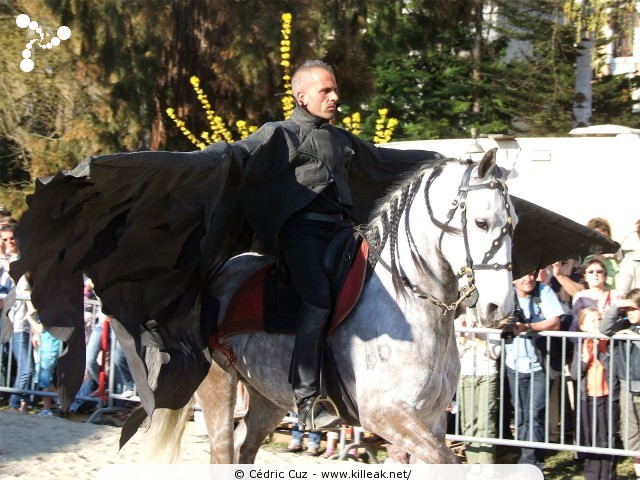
(305, 380)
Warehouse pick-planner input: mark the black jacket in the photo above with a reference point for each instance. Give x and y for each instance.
(627, 372)
(287, 165)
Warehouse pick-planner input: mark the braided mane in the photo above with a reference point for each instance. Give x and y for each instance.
(387, 215)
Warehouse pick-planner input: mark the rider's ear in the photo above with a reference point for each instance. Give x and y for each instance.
(487, 163)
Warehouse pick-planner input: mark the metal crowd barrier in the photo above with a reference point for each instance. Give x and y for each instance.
(107, 399)
(562, 392)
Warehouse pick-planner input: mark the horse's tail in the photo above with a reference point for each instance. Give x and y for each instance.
(163, 436)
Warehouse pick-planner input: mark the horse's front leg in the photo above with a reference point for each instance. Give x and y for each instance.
(400, 425)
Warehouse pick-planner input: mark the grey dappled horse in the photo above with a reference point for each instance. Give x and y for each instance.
(443, 238)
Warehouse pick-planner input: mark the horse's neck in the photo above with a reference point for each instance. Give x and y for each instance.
(411, 244)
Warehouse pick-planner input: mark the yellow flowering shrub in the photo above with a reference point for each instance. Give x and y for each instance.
(219, 131)
(285, 62)
(384, 127)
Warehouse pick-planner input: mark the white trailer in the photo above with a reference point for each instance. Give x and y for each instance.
(595, 172)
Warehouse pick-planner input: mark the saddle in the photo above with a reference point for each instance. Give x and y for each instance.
(267, 301)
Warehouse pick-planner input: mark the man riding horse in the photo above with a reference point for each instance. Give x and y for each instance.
(305, 236)
(307, 222)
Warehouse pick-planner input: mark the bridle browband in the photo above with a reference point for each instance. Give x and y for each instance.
(468, 294)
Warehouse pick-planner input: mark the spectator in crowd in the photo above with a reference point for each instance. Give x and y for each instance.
(123, 379)
(48, 348)
(562, 277)
(332, 444)
(6, 282)
(601, 225)
(598, 398)
(242, 401)
(631, 242)
(628, 276)
(624, 318)
(6, 218)
(537, 309)
(597, 294)
(478, 389)
(23, 317)
(313, 442)
(566, 274)
(94, 321)
(94, 351)
(566, 281)
(9, 247)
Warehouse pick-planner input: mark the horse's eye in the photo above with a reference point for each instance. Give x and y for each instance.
(481, 224)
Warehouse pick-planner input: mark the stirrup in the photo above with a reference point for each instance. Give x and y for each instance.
(310, 424)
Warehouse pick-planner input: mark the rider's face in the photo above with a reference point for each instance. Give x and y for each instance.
(319, 93)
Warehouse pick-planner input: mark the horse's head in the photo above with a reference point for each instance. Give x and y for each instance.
(477, 242)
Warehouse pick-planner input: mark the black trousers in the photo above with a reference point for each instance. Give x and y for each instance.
(303, 243)
(595, 420)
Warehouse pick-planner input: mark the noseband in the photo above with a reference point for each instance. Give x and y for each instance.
(467, 294)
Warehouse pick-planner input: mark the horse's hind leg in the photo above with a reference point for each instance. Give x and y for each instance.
(261, 419)
(400, 426)
(216, 396)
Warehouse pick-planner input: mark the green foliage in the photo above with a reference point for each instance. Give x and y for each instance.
(436, 65)
(538, 76)
(613, 102)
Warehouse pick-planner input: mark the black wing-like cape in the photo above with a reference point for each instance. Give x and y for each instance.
(152, 228)
(148, 228)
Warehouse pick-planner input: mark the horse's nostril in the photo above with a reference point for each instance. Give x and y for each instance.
(492, 309)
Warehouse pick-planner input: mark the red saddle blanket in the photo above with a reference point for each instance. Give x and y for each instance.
(246, 309)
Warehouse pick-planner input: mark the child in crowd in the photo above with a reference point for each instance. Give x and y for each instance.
(313, 442)
(48, 348)
(590, 369)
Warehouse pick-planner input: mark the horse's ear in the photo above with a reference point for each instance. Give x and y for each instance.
(487, 163)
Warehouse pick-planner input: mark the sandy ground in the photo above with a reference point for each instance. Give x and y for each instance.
(33, 447)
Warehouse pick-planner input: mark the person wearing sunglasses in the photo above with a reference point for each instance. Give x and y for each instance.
(602, 226)
(596, 294)
(8, 246)
(623, 317)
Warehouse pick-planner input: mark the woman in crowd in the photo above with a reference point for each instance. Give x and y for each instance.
(601, 225)
(596, 294)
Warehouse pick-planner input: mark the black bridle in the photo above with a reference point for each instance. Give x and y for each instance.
(467, 294)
